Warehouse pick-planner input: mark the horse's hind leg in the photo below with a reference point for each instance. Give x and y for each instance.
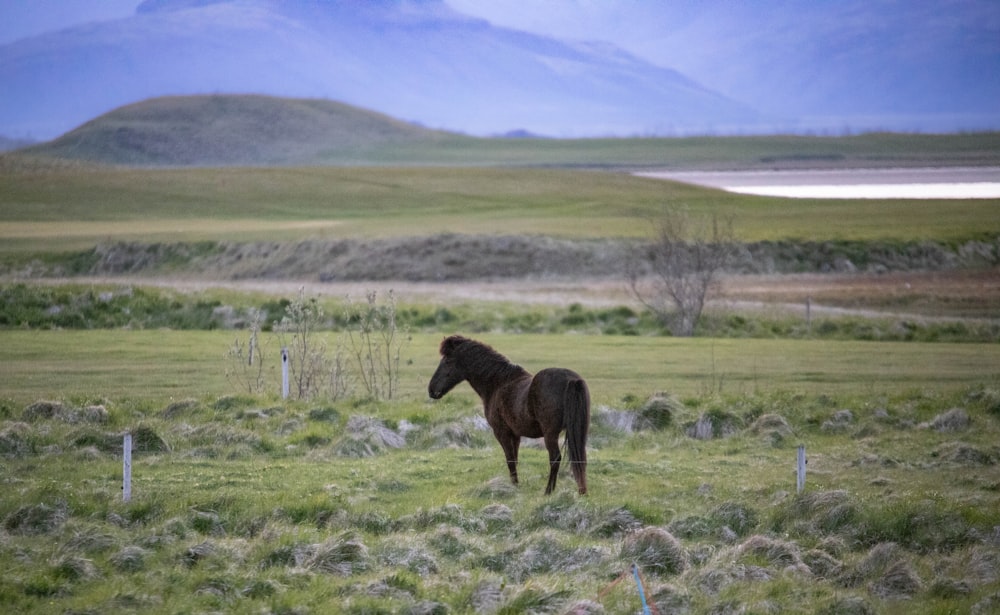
(555, 457)
(510, 445)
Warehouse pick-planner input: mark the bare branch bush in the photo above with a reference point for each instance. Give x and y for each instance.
(671, 276)
(307, 359)
(375, 342)
(246, 364)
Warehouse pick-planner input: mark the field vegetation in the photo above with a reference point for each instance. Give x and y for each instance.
(132, 299)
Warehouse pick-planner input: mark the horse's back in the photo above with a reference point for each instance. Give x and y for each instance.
(548, 387)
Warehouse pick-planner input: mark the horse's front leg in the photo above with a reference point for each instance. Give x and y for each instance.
(555, 457)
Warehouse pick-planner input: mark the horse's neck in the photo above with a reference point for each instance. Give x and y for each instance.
(489, 378)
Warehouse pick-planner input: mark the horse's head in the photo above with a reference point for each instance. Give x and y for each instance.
(449, 372)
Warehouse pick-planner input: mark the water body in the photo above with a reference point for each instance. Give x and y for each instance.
(919, 183)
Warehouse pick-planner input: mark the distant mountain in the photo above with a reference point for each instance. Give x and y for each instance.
(921, 64)
(232, 130)
(412, 59)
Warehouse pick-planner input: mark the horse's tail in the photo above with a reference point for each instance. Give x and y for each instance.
(577, 422)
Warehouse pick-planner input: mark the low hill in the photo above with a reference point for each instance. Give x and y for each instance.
(256, 130)
(232, 130)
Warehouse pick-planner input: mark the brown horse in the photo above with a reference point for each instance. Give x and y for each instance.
(517, 404)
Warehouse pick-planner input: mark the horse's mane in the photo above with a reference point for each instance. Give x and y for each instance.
(479, 358)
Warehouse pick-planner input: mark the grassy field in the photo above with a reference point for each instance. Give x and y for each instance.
(157, 365)
(251, 503)
(246, 502)
(70, 208)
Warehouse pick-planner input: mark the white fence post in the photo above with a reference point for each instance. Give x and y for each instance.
(127, 467)
(800, 472)
(284, 373)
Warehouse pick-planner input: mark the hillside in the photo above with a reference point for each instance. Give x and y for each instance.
(254, 130)
(231, 130)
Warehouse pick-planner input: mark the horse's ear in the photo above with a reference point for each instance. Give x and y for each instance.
(449, 344)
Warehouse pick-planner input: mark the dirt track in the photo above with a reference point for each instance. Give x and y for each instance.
(968, 294)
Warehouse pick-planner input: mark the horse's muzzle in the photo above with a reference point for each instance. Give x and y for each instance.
(435, 394)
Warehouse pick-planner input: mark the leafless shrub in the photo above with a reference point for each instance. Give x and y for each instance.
(375, 342)
(297, 332)
(246, 360)
(672, 275)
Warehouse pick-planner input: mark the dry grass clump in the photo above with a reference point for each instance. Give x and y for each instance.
(410, 553)
(658, 412)
(963, 454)
(366, 437)
(656, 550)
(130, 559)
(767, 424)
(36, 519)
(497, 517)
(777, 554)
(541, 553)
(954, 420)
(449, 515)
(715, 423)
(179, 408)
(341, 555)
(74, 568)
(898, 581)
(59, 411)
(726, 523)
(848, 605)
(840, 421)
(497, 488)
(16, 440)
(465, 433)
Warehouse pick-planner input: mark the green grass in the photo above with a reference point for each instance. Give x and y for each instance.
(249, 506)
(75, 208)
(154, 364)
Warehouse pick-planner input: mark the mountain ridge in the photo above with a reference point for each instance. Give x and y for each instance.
(416, 61)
